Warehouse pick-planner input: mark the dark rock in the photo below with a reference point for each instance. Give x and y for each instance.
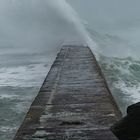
(128, 128)
(134, 110)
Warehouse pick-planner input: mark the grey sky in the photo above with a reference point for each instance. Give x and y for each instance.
(118, 13)
(38, 24)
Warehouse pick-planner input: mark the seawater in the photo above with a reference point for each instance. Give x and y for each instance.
(32, 32)
(20, 80)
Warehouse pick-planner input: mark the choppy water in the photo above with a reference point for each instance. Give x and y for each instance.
(123, 76)
(21, 76)
(31, 33)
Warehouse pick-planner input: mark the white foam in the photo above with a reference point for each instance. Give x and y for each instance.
(132, 92)
(7, 96)
(6, 129)
(23, 76)
(123, 79)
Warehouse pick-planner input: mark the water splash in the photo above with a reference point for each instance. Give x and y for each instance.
(40, 24)
(70, 15)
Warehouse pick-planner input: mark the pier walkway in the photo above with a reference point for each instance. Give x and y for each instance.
(74, 102)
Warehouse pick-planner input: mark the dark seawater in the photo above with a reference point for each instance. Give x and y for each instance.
(21, 76)
(14, 102)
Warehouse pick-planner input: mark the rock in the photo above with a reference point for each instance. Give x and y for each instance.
(128, 128)
(134, 110)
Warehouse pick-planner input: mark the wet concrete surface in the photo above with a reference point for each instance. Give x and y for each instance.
(74, 102)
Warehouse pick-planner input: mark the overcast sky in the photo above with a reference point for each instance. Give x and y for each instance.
(109, 13)
(34, 23)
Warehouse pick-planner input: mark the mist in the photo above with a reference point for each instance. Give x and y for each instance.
(109, 14)
(32, 25)
(119, 20)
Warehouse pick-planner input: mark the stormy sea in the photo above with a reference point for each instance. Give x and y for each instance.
(33, 31)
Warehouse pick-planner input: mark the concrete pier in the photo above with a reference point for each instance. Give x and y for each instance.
(74, 102)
